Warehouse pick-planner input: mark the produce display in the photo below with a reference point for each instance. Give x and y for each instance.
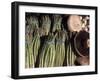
(55, 40)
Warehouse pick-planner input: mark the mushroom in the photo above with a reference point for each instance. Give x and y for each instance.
(74, 23)
(82, 43)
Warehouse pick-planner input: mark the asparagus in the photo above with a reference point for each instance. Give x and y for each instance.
(60, 48)
(47, 54)
(32, 21)
(31, 42)
(36, 44)
(29, 61)
(46, 23)
(57, 22)
(70, 54)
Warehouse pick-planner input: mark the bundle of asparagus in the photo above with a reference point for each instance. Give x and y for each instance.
(70, 54)
(60, 48)
(29, 60)
(46, 23)
(57, 19)
(47, 54)
(36, 44)
(31, 42)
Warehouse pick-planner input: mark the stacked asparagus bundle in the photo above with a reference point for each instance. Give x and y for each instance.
(60, 48)
(47, 54)
(70, 54)
(60, 40)
(32, 43)
(29, 60)
(36, 44)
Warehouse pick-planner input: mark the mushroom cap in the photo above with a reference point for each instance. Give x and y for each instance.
(81, 43)
(74, 23)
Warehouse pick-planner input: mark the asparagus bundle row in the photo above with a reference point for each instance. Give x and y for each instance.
(47, 54)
